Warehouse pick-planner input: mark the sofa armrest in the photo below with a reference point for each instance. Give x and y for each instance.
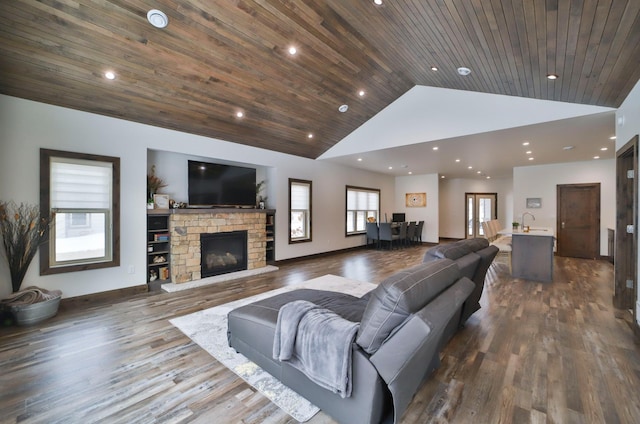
(405, 358)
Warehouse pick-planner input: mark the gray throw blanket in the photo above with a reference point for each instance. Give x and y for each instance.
(317, 342)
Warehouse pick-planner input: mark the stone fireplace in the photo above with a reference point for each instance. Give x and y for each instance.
(187, 225)
(222, 253)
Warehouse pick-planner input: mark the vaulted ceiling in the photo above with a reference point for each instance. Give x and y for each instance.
(220, 57)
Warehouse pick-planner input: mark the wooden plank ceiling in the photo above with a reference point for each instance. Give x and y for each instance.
(218, 57)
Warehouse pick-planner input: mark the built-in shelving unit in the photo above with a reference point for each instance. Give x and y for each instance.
(158, 248)
(270, 232)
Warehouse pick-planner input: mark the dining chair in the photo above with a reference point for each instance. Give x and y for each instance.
(411, 232)
(386, 234)
(418, 234)
(373, 234)
(402, 234)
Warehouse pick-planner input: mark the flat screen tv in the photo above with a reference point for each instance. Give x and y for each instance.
(218, 185)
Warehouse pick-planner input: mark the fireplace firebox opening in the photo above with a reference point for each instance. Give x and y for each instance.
(222, 253)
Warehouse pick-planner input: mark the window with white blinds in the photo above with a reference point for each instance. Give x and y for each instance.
(299, 210)
(80, 195)
(362, 204)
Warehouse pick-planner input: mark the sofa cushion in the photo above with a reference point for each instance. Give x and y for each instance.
(456, 249)
(401, 295)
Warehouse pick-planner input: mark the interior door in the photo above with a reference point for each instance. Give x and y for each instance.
(626, 238)
(578, 222)
(480, 207)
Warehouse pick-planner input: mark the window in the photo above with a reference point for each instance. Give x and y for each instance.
(299, 211)
(80, 193)
(362, 204)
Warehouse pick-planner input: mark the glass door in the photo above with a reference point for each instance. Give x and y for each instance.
(480, 207)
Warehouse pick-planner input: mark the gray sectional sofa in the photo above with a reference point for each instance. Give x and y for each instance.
(403, 325)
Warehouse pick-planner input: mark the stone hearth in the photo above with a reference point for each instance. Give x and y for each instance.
(187, 225)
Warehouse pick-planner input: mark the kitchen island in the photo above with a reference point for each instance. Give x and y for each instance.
(532, 254)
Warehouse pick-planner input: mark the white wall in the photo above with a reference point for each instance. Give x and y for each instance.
(419, 184)
(541, 181)
(452, 202)
(27, 126)
(628, 126)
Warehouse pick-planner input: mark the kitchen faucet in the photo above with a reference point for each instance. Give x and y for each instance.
(522, 221)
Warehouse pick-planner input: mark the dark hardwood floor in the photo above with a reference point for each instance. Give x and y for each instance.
(535, 352)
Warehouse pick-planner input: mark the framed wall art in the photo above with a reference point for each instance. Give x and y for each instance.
(416, 200)
(534, 202)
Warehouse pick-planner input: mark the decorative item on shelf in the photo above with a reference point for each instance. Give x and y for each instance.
(159, 259)
(161, 201)
(153, 275)
(154, 183)
(515, 225)
(261, 201)
(163, 273)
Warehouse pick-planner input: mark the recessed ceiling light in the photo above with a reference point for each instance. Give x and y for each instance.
(457, 160)
(410, 173)
(528, 152)
(157, 18)
(479, 172)
(391, 167)
(568, 147)
(613, 137)
(434, 68)
(488, 177)
(435, 148)
(596, 157)
(292, 50)
(310, 135)
(604, 149)
(552, 77)
(464, 71)
(442, 176)
(359, 159)
(526, 143)
(377, 2)
(239, 114)
(470, 167)
(361, 93)
(343, 108)
(530, 158)
(109, 75)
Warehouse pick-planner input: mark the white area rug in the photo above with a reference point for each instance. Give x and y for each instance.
(174, 287)
(208, 329)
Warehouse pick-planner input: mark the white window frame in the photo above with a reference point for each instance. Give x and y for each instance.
(358, 213)
(304, 209)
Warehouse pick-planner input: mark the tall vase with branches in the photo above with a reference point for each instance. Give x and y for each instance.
(154, 183)
(23, 230)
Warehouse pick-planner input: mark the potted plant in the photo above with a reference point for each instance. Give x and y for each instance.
(154, 183)
(23, 230)
(260, 200)
(515, 225)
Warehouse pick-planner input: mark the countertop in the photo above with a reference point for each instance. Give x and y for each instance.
(533, 231)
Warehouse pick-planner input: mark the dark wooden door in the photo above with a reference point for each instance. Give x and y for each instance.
(579, 220)
(626, 238)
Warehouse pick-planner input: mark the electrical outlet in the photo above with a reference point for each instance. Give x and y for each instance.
(131, 269)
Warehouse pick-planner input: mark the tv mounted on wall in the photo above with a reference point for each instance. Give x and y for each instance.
(218, 185)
